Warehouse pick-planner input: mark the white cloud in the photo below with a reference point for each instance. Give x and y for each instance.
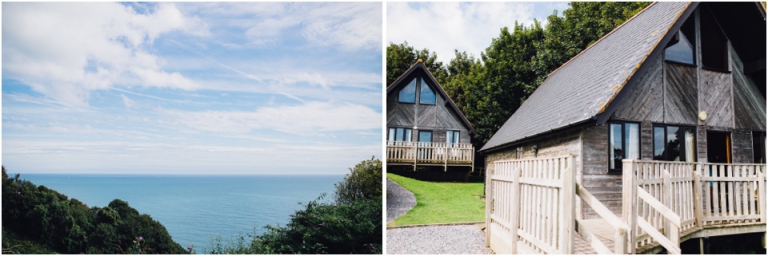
(127, 102)
(310, 118)
(66, 50)
(443, 27)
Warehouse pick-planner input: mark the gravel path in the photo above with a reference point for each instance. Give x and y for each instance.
(438, 239)
(399, 200)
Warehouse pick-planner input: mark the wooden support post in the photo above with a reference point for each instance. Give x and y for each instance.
(629, 204)
(620, 241)
(671, 230)
(515, 214)
(488, 206)
(697, 201)
(701, 245)
(761, 194)
(415, 154)
(568, 197)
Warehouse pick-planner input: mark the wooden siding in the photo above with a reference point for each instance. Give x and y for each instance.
(646, 98)
(605, 187)
(399, 115)
(716, 98)
(680, 96)
(646, 140)
(701, 143)
(742, 147)
(749, 104)
(437, 118)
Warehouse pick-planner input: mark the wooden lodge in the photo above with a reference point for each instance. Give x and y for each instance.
(653, 135)
(424, 126)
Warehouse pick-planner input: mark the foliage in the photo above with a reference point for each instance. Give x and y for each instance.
(362, 182)
(441, 202)
(400, 57)
(490, 89)
(41, 216)
(352, 224)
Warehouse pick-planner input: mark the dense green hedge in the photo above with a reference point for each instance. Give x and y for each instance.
(40, 220)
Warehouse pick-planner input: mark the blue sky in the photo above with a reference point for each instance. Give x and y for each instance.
(192, 88)
(442, 27)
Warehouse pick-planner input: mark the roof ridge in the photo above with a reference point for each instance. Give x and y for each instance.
(601, 38)
(406, 72)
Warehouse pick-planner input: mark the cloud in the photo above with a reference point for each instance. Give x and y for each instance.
(127, 102)
(443, 27)
(307, 119)
(66, 50)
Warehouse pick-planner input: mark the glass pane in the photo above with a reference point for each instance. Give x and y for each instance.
(673, 144)
(658, 143)
(714, 44)
(632, 140)
(456, 137)
(408, 93)
(399, 134)
(425, 136)
(616, 147)
(408, 135)
(690, 145)
(427, 96)
(682, 50)
(391, 134)
(448, 137)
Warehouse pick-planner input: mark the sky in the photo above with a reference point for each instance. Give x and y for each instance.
(445, 27)
(191, 88)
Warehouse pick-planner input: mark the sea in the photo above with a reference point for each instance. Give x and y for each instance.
(197, 208)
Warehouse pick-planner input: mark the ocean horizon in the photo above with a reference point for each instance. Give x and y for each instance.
(195, 208)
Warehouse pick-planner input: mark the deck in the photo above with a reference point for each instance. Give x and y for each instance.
(430, 154)
(531, 202)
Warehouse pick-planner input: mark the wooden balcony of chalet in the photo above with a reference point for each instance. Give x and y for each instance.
(430, 154)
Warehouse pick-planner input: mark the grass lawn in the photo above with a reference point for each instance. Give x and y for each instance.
(441, 202)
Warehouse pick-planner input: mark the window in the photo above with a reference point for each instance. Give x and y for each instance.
(408, 93)
(674, 143)
(714, 44)
(758, 145)
(426, 96)
(624, 143)
(399, 134)
(681, 48)
(425, 136)
(451, 137)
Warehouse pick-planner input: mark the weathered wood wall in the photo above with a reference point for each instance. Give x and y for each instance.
(645, 101)
(605, 187)
(680, 95)
(742, 147)
(749, 104)
(716, 98)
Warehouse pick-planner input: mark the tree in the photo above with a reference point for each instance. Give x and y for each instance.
(362, 182)
(400, 57)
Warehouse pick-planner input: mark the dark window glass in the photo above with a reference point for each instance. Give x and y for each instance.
(758, 145)
(714, 44)
(658, 143)
(682, 47)
(426, 96)
(425, 136)
(674, 143)
(624, 139)
(408, 93)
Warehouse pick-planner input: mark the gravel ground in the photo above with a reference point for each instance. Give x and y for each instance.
(399, 200)
(438, 239)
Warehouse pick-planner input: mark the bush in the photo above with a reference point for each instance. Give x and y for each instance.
(363, 182)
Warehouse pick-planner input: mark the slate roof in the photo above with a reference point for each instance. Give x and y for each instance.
(419, 66)
(583, 87)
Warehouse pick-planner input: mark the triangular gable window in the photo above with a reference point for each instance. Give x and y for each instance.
(681, 49)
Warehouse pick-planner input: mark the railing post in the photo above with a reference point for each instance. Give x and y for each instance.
(672, 231)
(619, 241)
(488, 205)
(515, 214)
(698, 209)
(415, 154)
(629, 203)
(761, 193)
(568, 197)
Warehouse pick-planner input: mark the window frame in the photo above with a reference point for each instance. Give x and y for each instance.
(421, 85)
(693, 40)
(431, 136)
(619, 169)
(452, 134)
(680, 134)
(705, 11)
(415, 92)
(405, 133)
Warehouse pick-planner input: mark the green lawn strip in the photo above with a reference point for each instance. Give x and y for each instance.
(441, 202)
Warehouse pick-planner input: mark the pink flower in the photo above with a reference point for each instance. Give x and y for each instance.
(141, 238)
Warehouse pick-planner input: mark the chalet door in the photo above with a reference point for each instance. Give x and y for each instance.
(426, 151)
(718, 147)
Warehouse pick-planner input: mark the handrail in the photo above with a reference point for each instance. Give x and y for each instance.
(660, 207)
(621, 228)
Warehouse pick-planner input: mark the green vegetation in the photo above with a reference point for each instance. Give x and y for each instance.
(351, 224)
(41, 220)
(441, 202)
(490, 88)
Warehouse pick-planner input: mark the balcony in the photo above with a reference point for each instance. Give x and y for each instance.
(430, 154)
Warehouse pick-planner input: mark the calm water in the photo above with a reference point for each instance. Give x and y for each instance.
(196, 208)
